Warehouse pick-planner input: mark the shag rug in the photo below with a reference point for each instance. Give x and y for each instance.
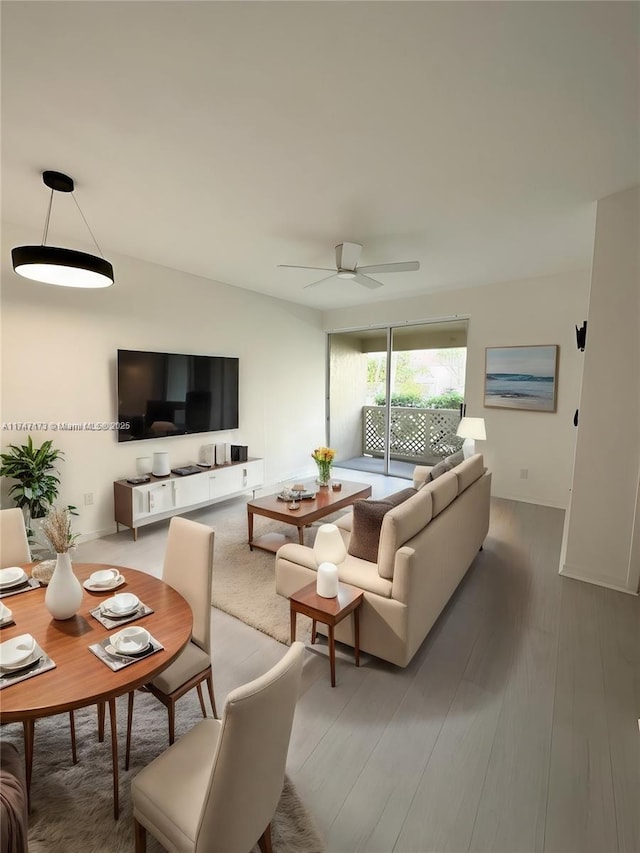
(72, 806)
(244, 580)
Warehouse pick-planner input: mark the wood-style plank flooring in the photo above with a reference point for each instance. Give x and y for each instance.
(514, 728)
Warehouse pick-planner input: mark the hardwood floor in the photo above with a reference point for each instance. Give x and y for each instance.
(514, 728)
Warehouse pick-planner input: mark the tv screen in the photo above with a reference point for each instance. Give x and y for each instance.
(162, 394)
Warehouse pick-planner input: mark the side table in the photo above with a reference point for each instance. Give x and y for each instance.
(329, 611)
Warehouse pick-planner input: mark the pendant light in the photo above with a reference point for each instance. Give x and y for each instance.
(63, 267)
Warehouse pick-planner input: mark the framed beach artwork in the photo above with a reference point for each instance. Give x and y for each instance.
(521, 378)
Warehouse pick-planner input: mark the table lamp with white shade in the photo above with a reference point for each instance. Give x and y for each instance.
(471, 429)
(328, 549)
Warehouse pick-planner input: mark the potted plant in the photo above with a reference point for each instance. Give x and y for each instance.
(37, 478)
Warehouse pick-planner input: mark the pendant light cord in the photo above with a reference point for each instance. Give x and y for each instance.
(46, 221)
(48, 217)
(73, 196)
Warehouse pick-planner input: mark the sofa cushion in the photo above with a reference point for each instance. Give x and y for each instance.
(399, 525)
(456, 458)
(469, 471)
(367, 520)
(441, 468)
(399, 497)
(444, 491)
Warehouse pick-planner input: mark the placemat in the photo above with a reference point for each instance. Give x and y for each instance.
(31, 583)
(43, 665)
(116, 662)
(115, 622)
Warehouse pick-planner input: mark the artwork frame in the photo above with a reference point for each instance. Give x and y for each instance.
(524, 378)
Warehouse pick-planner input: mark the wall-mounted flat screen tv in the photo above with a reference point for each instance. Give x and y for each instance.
(162, 394)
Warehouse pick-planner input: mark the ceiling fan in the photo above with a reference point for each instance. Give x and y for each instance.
(347, 255)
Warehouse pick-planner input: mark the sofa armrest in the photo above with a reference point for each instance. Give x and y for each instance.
(403, 574)
(302, 555)
(421, 475)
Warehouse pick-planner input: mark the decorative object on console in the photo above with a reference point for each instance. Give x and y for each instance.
(328, 549)
(220, 454)
(471, 429)
(161, 466)
(337, 487)
(207, 456)
(521, 377)
(64, 592)
(239, 452)
(144, 465)
(323, 457)
(63, 267)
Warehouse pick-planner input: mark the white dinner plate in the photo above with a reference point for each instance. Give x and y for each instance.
(101, 587)
(33, 658)
(12, 576)
(16, 650)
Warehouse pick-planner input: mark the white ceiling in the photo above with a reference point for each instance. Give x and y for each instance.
(226, 138)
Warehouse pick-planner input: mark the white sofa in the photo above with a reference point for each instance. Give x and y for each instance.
(426, 545)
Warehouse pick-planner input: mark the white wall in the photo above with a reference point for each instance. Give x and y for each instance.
(600, 543)
(534, 311)
(58, 364)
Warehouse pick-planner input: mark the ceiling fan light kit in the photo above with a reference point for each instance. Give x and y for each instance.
(61, 266)
(347, 256)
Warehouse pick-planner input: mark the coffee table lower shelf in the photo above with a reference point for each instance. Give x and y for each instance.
(272, 541)
(328, 611)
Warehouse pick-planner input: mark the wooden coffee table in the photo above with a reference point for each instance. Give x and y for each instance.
(325, 502)
(329, 611)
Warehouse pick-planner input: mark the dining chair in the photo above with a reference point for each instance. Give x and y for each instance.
(188, 568)
(217, 788)
(15, 551)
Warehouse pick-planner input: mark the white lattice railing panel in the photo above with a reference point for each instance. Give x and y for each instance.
(415, 434)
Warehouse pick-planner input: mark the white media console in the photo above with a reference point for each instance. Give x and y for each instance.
(163, 497)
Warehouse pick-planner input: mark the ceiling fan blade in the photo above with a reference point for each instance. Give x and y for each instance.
(313, 283)
(347, 255)
(408, 266)
(296, 267)
(366, 281)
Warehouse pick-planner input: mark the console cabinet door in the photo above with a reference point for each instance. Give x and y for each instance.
(193, 489)
(161, 497)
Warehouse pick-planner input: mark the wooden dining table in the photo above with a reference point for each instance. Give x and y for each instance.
(81, 679)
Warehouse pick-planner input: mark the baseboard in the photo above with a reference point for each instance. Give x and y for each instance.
(533, 500)
(574, 574)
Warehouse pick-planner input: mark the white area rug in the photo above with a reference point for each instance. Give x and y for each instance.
(244, 580)
(72, 806)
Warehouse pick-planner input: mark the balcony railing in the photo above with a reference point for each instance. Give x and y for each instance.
(417, 435)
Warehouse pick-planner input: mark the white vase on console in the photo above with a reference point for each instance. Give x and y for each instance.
(161, 465)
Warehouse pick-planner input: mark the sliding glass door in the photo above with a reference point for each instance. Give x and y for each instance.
(394, 395)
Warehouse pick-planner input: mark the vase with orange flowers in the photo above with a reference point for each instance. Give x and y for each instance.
(323, 457)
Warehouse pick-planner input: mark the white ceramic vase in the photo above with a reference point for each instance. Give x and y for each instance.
(64, 593)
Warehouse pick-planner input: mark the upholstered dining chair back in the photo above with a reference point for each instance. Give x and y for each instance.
(14, 547)
(249, 765)
(188, 568)
(216, 789)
